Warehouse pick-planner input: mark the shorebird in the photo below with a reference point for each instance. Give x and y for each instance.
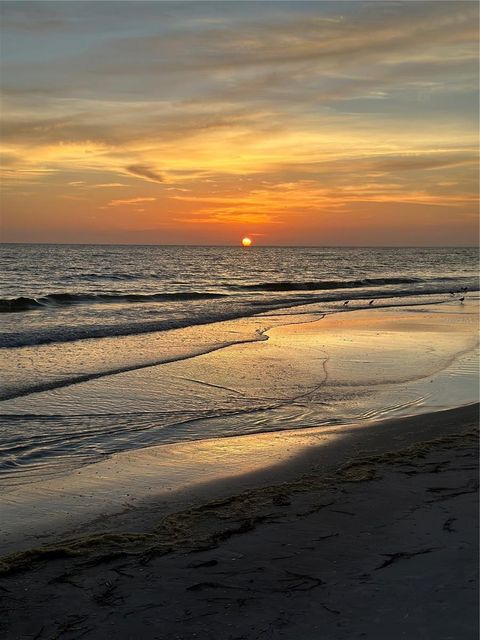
(371, 301)
(346, 302)
(462, 299)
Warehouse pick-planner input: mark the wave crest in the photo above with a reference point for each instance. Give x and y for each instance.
(62, 299)
(318, 285)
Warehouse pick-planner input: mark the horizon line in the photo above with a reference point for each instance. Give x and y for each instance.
(239, 246)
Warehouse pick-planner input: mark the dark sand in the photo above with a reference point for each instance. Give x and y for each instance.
(378, 540)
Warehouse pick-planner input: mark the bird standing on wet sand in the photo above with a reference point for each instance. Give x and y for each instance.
(462, 299)
(371, 302)
(346, 302)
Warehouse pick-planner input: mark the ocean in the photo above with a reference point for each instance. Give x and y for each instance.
(86, 330)
(59, 293)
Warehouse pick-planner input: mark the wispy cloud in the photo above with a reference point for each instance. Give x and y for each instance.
(305, 108)
(129, 202)
(110, 185)
(146, 172)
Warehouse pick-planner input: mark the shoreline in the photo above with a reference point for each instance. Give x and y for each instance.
(140, 343)
(401, 471)
(353, 525)
(313, 452)
(302, 370)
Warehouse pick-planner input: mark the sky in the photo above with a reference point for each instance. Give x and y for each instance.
(295, 123)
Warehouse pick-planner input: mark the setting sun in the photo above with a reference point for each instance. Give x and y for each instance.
(246, 242)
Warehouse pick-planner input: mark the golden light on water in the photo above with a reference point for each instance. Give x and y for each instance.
(246, 242)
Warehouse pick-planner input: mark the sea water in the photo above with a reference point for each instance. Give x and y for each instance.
(88, 332)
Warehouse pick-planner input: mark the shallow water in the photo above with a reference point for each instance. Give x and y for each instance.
(314, 370)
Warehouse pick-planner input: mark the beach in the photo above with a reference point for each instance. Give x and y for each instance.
(381, 543)
(361, 527)
(239, 308)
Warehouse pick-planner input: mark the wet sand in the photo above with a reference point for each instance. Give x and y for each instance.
(364, 529)
(337, 373)
(380, 542)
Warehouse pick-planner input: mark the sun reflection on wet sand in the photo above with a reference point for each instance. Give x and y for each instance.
(345, 368)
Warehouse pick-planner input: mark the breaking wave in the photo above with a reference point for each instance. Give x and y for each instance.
(322, 285)
(23, 303)
(62, 299)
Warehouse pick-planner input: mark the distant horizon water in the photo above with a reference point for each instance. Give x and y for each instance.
(254, 245)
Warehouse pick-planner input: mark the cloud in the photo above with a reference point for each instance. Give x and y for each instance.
(145, 171)
(129, 201)
(350, 37)
(428, 161)
(110, 185)
(299, 107)
(323, 43)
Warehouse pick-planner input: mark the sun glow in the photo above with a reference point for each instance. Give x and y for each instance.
(246, 242)
(205, 143)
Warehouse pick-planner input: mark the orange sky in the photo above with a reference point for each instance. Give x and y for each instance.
(316, 123)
